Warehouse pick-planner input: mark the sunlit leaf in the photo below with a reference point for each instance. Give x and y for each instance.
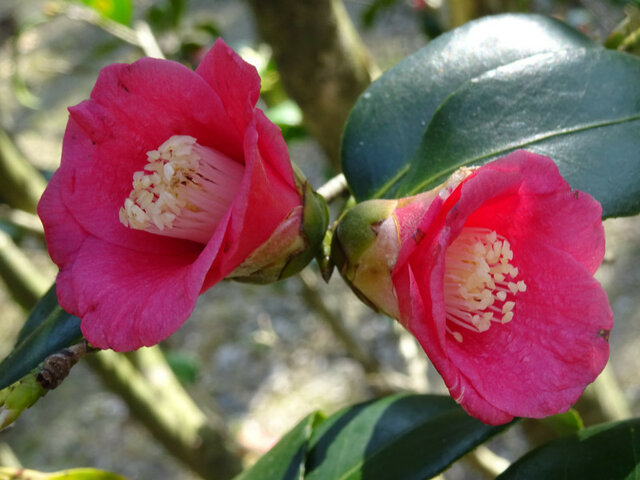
(581, 107)
(398, 437)
(388, 121)
(286, 460)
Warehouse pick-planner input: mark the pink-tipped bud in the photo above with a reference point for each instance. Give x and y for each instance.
(368, 239)
(365, 248)
(293, 244)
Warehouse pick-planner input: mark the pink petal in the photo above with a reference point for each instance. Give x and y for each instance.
(257, 211)
(539, 363)
(140, 299)
(531, 200)
(235, 81)
(134, 108)
(63, 231)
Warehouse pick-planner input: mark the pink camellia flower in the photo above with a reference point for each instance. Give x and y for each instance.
(493, 274)
(170, 181)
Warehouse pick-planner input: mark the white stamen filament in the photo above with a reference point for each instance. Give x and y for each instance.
(479, 282)
(183, 192)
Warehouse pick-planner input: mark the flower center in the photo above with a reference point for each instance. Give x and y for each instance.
(480, 283)
(183, 192)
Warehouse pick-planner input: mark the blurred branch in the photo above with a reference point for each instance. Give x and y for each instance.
(79, 12)
(630, 42)
(322, 62)
(147, 41)
(459, 12)
(383, 381)
(486, 462)
(141, 37)
(24, 281)
(170, 415)
(8, 457)
(21, 185)
(333, 188)
(24, 221)
(310, 293)
(604, 400)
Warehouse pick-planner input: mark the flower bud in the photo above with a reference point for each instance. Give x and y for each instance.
(369, 238)
(365, 248)
(294, 242)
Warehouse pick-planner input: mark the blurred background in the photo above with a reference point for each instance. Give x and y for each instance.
(255, 359)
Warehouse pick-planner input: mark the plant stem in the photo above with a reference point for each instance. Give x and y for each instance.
(21, 185)
(333, 188)
(23, 280)
(26, 222)
(384, 382)
(630, 42)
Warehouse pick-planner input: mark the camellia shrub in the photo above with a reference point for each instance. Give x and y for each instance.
(480, 169)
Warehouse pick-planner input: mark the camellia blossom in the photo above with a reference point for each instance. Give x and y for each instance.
(170, 181)
(493, 274)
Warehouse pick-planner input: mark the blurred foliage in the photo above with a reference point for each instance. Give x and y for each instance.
(181, 39)
(184, 366)
(120, 11)
(626, 35)
(7, 473)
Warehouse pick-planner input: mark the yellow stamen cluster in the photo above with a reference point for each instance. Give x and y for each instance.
(183, 192)
(480, 281)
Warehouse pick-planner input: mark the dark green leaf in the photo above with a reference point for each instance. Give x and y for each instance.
(286, 460)
(608, 451)
(581, 107)
(47, 330)
(402, 436)
(39, 314)
(389, 119)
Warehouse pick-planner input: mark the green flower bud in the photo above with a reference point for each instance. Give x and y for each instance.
(293, 244)
(364, 248)
(368, 238)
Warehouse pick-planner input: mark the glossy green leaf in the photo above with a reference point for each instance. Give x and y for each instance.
(581, 107)
(47, 330)
(608, 451)
(401, 436)
(286, 460)
(39, 314)
(388, 121)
